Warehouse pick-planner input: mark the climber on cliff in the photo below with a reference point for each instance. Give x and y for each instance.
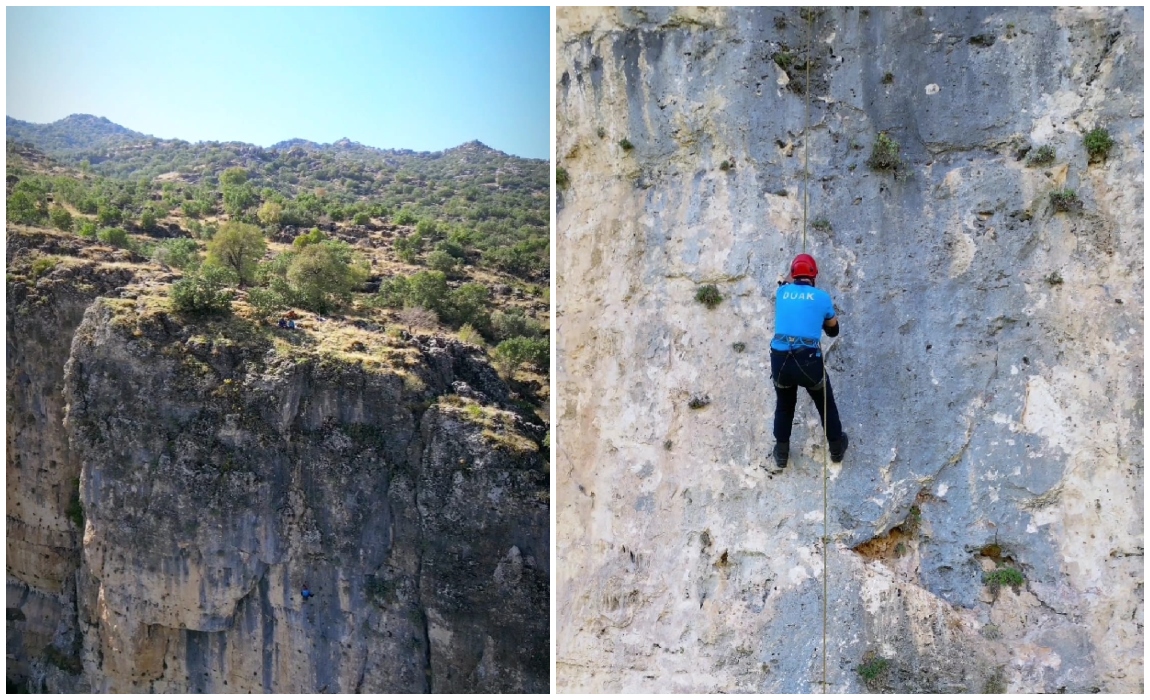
(802, 313)
(306, 592)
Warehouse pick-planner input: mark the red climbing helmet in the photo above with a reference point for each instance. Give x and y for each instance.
(804, 266)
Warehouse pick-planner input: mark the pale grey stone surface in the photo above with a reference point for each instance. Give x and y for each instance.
(1006, 407)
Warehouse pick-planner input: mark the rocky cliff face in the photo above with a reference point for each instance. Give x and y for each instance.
(221, 467)
(989, 372)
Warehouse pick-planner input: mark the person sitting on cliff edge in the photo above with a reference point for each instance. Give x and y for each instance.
(802, 313)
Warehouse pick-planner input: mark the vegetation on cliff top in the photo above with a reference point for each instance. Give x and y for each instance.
(390, 241)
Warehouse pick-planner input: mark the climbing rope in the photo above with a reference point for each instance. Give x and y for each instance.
(826, 390)
(806, 137)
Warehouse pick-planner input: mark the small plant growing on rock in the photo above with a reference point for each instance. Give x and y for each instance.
(810, 14)
(1041, 156)
(1054, 278)
(739, 347)
(1066, 200)
(885, 156)
(1005, 576)
(822, 224)
(887, 78)
(725, 166)
(625, 144)
(995, 683)
(75, 510)
(698, 402)
(667, 445)
(601, 132)
(873, 668)
(43, 265)
(784, 59)
(708, 295)
(914, 518)
(561, 178)
(1098, 144)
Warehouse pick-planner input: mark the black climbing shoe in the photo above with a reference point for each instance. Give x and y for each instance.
(782, 451)
(839, 448)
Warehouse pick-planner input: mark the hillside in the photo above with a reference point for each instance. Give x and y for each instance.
(180, 465)
(971, 183)
(77, 133)
(501, 201)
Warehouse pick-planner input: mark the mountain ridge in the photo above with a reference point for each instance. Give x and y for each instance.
(61, 136)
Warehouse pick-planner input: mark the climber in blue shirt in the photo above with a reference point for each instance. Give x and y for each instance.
(306, 593)
(802, 313)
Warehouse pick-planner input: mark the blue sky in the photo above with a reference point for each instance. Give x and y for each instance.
(420, 78)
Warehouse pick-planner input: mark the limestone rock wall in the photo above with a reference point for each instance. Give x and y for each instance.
(989, 371)
(248, 474)
(219, 470)
(42, 536)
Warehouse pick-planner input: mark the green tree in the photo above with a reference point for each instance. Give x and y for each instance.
(513, 324)
(310, 238)
(270, 213)
(405, 218)
(182, 253)
(61, 218)
(24, 208)
(393, 292)
(202, 292)
(513, 353)
(233, 177)
(238, 198)
(87, 229)
(429, 290)
(407, 247)
(265, 301)
(148, 220)
(238, 247)
(428, 228)
(108, 215)
(192, 209)
(442, 261)
(324, 275)
(117, 237)
(468, 304)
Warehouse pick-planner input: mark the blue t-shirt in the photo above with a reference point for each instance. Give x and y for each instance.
(800, 311)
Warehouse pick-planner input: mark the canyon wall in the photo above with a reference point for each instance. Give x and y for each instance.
(989, 370)
(174, 483)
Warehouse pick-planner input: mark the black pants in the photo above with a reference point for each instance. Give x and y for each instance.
(789, 371)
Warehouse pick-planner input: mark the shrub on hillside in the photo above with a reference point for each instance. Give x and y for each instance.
(117, 237)
(61, 218)
(323, 276)
(202, 292)
(181, 253)
(87, 229)
(512, 324)
(513, 353)
(24, 208)
(442, 261)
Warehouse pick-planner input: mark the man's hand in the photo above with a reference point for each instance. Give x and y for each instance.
(831, 326)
